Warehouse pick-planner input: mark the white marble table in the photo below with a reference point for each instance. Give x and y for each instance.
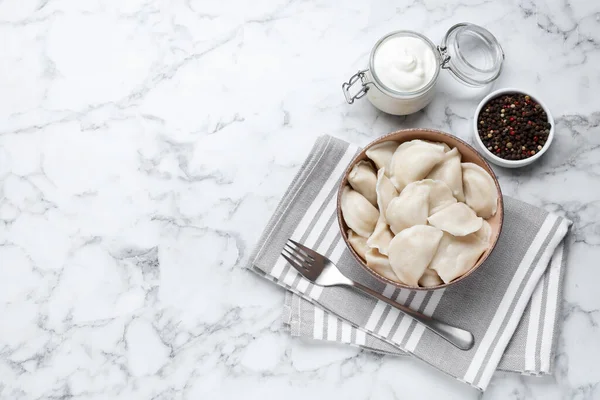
(144, 144)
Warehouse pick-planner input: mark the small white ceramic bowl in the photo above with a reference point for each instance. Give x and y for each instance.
(500, 161)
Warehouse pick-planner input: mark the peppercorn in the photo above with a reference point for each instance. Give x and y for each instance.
(513, 121)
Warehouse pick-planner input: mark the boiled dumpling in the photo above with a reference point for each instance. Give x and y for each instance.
(480, 190)
(409, 209)
(380, 264)
(358, 243)
(430, 278)
(381, 154)
(457, 255)
(457, 219)
(381, 236)
(443, 145)
(362, 178)
(413, 160)
(359, 214)
(417, 201)
(380, 239)
(449, 171)
(485, 233)
(440, 195)
(385, 192)
(412, 250)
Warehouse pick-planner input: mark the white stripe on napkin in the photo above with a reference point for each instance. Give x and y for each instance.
(335, 256)
(507, 299)
(321, 249)
(303, 225)
(313, 236)
(379, 308)
(411, 345)
(361, 337)
(548, 330)
(331, 327)
(346, 332)
(406, 320)
(514, 319)
(318, 328)
(533, 327)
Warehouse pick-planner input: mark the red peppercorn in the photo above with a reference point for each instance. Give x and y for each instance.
(529, 122)
(512, 133)
(512, 118)
(535, 138)
(498, 150)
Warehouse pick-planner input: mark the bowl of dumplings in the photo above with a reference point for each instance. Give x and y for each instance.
(420, 209)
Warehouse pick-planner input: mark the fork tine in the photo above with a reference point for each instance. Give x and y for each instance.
(301, 248)
(297, 257)
(294, 264)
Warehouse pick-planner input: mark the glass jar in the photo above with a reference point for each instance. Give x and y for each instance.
(471, 54)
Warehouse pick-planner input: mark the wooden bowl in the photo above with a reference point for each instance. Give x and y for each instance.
(469, 154)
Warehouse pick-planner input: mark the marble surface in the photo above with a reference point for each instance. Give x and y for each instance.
(145, 143)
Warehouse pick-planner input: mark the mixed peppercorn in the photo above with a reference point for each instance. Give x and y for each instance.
(513, 126)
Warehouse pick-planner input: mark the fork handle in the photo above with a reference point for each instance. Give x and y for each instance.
(460, 338)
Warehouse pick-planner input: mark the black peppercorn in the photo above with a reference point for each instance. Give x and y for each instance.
(514, 126)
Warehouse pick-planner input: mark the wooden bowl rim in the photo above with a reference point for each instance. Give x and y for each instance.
(392, 137)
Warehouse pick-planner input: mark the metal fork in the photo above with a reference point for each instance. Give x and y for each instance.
(320, 270)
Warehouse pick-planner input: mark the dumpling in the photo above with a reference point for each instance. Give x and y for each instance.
(359, 214)
(412, 250)
(449, 171)
(445, 146)
(381, 237)
(380, 264)
(480, 190)
(362, 178)
(381, 154)
(413, 160)
(441, 144)
(457, 219)
(456, 255)
(409, 209)
(417, 201)
(358, 243)
(430, 278)
(485, 233)
(385, 192)
(440, 195)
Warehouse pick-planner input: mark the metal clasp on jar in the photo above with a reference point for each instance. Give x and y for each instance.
(346, 86)
(445, 57)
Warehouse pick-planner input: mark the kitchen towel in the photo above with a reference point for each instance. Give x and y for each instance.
(491, 303)
(529, 352)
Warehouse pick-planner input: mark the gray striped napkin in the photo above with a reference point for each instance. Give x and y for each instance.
(513, 297)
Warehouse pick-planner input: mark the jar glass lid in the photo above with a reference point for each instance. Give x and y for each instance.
(472, 54)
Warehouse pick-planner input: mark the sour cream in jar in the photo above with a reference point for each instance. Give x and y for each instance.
(404, 67)
(405, 63)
